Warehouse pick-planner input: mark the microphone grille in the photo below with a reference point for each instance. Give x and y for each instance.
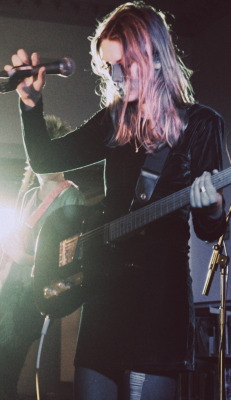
(67, 66)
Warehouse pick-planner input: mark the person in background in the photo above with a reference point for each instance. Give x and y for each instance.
(20, 319)
(137, 331)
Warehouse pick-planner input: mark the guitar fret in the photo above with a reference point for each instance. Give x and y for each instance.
(137, 219)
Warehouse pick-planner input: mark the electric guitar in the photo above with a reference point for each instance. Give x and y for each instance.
(68, 264)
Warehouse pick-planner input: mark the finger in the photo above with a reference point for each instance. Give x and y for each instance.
(206, 190)
(16, 60)
(211, 193)
(199, 195)
(202, 191)
(35, 59)
(23, 56)
(40, 80)
(207, 194)
(8, 67)
(194, 193)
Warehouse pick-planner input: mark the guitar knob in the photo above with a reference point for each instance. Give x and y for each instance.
(48, 292)
(64, 285)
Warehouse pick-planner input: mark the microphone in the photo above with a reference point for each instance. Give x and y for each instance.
(64, 67)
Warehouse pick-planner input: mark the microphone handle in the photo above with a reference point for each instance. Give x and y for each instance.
(26, 71)
(12, 82)
(8, 86)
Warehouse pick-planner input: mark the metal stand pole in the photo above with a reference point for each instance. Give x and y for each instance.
(219, 258)
(222, 322)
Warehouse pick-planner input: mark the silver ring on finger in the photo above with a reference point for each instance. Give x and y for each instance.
(202, 189)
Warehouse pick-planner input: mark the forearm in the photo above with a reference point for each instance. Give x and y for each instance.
(209, 222)
(86, 145)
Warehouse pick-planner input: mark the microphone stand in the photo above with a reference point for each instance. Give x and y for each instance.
(216, 259)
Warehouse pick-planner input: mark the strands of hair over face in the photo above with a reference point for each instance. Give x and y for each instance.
(163, 84)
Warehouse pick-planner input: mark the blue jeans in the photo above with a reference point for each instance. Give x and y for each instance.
(92, 385)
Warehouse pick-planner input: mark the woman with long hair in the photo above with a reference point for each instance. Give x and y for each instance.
(137, 326)
(161, 85)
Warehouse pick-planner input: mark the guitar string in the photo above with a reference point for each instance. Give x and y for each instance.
(136, 219)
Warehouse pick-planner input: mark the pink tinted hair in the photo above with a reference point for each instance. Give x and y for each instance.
(146, 40)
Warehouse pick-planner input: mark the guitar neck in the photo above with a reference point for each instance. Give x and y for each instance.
(136, 220)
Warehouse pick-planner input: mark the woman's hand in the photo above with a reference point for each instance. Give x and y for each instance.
(30, 88)
(204, 195)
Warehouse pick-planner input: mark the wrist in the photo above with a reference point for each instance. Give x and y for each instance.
(30, 100)
(215, 212)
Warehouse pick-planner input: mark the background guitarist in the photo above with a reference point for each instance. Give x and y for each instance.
(20, 320)
(137, 333)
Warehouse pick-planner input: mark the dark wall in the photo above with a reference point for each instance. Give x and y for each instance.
(72, 98)
(210, 60)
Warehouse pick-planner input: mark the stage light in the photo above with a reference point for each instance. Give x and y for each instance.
(7, 220)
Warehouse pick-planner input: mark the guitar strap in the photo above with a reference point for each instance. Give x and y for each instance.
(149, 175)
(37, 214)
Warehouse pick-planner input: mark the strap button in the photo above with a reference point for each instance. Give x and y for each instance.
(143, 196)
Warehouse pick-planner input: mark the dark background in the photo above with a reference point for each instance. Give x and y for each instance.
(58, 28)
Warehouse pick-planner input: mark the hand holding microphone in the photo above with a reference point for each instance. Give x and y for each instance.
(29, 89)
(27, 76)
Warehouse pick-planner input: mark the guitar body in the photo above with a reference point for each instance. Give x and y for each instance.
(71, 262)
(62, 287)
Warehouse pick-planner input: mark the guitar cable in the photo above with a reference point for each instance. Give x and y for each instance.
(43, 333)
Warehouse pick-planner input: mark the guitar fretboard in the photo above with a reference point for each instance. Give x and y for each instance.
(136, 220)
(150, 213)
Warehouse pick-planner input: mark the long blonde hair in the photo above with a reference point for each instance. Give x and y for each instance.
(163, 80)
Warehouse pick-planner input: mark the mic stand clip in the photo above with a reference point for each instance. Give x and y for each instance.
(216, 259)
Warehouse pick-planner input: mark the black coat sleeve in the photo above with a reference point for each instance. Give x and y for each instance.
(206, 155)
(84, 146)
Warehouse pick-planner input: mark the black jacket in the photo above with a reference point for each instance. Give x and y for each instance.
(142, 318)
